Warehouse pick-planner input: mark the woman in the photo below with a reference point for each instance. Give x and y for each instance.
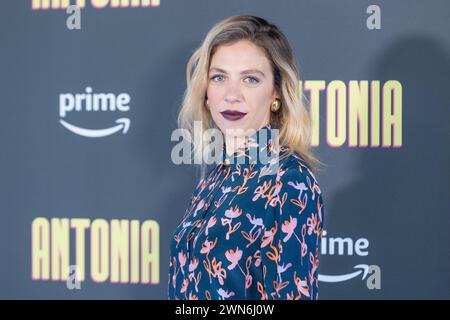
(253, 229)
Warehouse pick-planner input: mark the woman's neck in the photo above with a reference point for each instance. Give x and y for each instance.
(233, 143)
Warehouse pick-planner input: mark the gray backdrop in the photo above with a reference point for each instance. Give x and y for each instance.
(392, 201)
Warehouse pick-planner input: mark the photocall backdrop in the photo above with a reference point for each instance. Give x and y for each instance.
(89, 100)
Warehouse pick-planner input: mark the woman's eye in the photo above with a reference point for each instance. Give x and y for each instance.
(254, 80)
(218, 77)
(214, 77)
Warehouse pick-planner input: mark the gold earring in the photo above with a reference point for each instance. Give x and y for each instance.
(275, 105)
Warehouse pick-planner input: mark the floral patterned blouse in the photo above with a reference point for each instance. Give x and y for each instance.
(249, 232)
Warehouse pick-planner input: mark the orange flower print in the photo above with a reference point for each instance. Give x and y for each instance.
(218, 271)
(302, 285)
(268, 236)
(288, 227)
(192, 296)
(260, 191)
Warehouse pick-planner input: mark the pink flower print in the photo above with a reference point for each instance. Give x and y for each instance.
(304, 248)
(248, 281)
(319, 210)
(280, 173)
(225, 294)
(274, 195)
(268, 236)
(218, 270)
(207, 246)
(233, 212)
(212, 221)
(314, 187)
(225, 192)
(193, 264)
(247, 175)
(260, 191)
(262, 291)
(184, 285)
(256, 222)
(299, 186)
(199, 206)
(182, 259)
(303, 243)
(257, 258)
(317, 187)
(302, 285)
(311, 223)
(283, 268)
(288, 227)
(314, 260)
(252, 237)
(233, 257)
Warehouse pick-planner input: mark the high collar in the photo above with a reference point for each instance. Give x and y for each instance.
(257, 148)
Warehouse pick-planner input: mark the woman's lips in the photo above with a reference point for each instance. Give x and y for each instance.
(232, 115)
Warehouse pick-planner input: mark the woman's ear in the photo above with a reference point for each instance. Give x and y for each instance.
(206, 101)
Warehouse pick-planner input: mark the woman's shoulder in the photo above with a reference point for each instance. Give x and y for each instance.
(295, 189)
(294, 167)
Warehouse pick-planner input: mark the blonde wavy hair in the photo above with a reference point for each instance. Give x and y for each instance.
(292, 119)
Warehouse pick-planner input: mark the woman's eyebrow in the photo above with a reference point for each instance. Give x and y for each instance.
(248, 71)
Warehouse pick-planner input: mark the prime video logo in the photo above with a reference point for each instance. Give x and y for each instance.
(349, 247)
(94, 102)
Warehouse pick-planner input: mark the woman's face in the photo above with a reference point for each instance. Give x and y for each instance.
(240, 80)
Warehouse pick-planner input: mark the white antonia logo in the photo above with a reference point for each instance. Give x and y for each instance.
(94, 102)
(347, 246)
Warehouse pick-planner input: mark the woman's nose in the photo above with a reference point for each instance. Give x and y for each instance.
(233, 93)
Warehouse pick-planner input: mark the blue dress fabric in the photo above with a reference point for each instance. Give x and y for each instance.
(250, 232)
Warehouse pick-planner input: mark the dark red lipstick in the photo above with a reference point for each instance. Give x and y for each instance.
(233, 115)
